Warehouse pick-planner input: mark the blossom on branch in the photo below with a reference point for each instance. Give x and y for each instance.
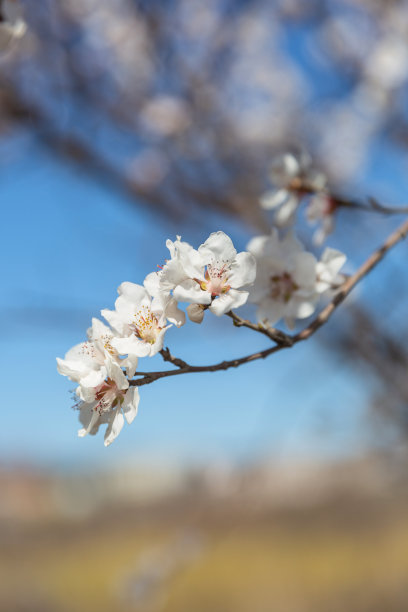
(214, 276)
(107, 398)
(289, 279)
(293, 176)
(139, 323)
(103, 392)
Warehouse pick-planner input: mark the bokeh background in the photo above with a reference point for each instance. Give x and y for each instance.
(282, 485)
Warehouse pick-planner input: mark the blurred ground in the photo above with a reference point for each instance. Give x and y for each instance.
(312, 539)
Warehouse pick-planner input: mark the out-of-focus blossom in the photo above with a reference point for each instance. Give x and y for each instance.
(292, 177)
(327, 270)
(289, 280)
(165, 115)
(12, 24)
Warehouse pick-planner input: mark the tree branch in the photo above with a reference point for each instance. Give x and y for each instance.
(281, 339)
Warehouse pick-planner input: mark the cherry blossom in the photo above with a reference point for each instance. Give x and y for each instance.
(160, 284)
(289, 279)
(292, 177)
(214, 275)
(89, 356)
(105, 397)
(139, 323)
(103, 392)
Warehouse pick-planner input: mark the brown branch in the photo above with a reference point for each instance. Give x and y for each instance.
(373, 204)
(284, 341)
(276, 335)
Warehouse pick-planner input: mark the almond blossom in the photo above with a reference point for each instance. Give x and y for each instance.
(103, 390)
(292, 177)
(105, 397)
(139, 323)
(161, 283)
(289, 279)
(213, 276)
(86, 357)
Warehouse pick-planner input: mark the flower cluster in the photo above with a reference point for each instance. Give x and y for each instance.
(275, 273)
(294, 177)
(212, 277)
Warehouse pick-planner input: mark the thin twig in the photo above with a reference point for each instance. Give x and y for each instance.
(276, 335)
(372, 204)
(290, 340)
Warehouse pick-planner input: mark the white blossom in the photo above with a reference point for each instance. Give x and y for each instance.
(103, 392)
(289, 279)
(105, 397)
(213, 275)
(89, 356)
(139, 323)
(290, 175)
(327, 270)
(161, 283)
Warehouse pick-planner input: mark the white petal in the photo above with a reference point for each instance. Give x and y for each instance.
(256, 245)
(133, 292)
(274, 198)
(222, 304)
(284, 168)
(158, 345)
(98, 329)
(118, 323)
(75, 370)
(243, 270)
(131, 404)
(218, 246)
(228, 301)
(114, 428)
(301, 309)
(195, 313)
(285, 215)
(174, 314)
(131, 346)
(114, 372)
(89, 418)
(270, 310)
(152, 283)
(130, 363)
(174, 272)
(304, 273)
(189, 291)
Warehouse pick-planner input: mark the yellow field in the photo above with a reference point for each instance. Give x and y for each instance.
(195, 561)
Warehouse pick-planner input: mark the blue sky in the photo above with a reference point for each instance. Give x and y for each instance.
(67, 243)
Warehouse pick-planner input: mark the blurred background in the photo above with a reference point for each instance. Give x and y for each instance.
(127, 122)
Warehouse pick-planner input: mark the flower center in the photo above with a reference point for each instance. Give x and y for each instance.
(216, 278)
(282, 287)
(106, 341)
(146, 326)
(107, 395)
